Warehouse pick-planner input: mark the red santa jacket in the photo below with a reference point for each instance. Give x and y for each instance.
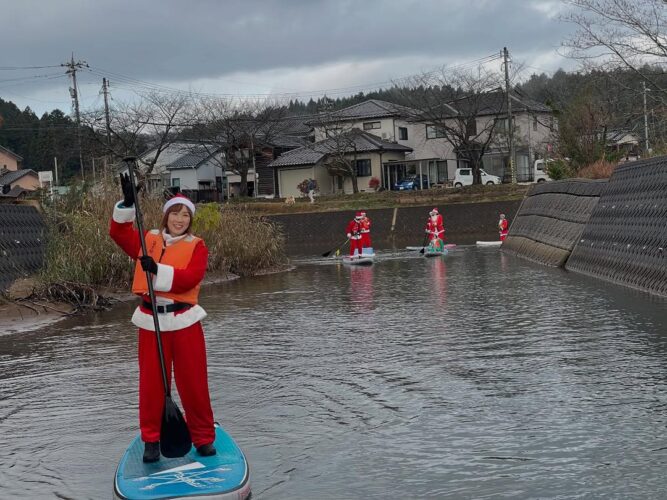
(354, 229)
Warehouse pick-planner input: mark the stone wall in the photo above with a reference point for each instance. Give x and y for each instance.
(625, 238)
(22, 242)
(551, 220)
(317, 232)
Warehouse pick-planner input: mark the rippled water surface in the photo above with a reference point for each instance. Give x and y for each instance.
(473, 376)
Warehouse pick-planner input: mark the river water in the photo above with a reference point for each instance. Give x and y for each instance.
(477, 375)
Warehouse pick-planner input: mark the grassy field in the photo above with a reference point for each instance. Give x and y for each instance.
(383, 199)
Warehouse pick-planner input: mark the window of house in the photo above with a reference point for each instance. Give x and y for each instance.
(372, 125)
(403, 133)
(363, 168)
(471, 127)
(434, 132)
(175, 182)
(534, 122)
(204, 184)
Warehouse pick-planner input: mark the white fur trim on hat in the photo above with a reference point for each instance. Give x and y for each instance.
(179, 199)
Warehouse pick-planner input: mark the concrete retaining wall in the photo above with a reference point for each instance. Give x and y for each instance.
(551, 220)
(22, 238)
(314, 233)
(625, 238)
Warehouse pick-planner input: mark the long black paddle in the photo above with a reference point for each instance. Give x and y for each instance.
(175, 440)
(326, 254)
(424, 243)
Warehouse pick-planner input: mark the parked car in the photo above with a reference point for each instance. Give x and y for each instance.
(540, 173)
(411, 182)
(463, 177)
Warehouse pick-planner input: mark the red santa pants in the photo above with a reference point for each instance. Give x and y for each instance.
(355, 245)
(503, 235)
(366, 240)
(185, 350)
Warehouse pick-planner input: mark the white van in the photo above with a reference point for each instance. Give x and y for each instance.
(463, 177)
(540, 171)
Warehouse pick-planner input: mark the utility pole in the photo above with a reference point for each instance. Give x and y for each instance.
(105, 90)
(645, 120)
(72, 68)
(510, 122)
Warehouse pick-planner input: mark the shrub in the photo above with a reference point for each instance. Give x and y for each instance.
(303, 186)
(374, 183)
(558, 170)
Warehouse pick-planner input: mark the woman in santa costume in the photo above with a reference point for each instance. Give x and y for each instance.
(365, 231)
(503, 227)
(353, 231)
(435, 229)
(177, 261)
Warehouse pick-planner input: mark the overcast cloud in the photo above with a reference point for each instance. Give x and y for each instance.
(259, 47)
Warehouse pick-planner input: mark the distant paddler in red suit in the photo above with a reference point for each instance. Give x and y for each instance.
(365, 231)
(435, 229)
(353, 232)
(503, 227)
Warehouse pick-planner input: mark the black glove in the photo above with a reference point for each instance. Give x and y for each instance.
(148, 264)
(126, 186)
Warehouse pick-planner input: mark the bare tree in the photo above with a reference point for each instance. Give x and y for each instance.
(620, 33)
(339, 145)
(233, 133)
(460, 107)
(144, 128)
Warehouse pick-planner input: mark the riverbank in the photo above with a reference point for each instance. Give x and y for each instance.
(386, 199)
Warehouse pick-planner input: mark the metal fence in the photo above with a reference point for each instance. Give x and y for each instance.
(22, 242)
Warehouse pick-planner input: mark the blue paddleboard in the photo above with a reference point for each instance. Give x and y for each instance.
(222, 476)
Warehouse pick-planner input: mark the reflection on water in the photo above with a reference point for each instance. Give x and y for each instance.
(476, 375)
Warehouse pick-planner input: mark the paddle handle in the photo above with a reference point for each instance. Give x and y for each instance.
(149, 279)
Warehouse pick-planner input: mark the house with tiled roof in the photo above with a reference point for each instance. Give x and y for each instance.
(14, 180)
(434, 156)
(9, 160)
(364, 151)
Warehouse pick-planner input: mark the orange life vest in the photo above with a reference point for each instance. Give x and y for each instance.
(177, 255)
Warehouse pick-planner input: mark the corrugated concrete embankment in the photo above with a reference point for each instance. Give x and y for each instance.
(317, 232)
(625, 238)
(551, 220)
(22, 238)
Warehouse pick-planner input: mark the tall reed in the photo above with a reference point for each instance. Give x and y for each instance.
(80, 251)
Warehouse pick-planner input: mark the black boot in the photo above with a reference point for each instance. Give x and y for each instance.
(152, 452)
(206, 450)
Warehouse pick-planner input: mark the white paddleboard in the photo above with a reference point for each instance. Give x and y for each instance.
(489, 243)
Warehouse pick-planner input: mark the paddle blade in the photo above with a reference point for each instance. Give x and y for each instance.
(422, 250)
(326, 254)
(175, 438)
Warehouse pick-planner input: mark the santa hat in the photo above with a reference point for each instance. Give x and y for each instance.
(433, 212)
(363, 214)
(358, 215)
(178, 199)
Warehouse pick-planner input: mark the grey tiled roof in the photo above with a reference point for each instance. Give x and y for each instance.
(372, 108)
(359, 141)
(191, 159)
(14, 175)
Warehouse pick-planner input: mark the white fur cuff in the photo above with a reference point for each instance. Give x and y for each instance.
(164, 279)
(123, 215)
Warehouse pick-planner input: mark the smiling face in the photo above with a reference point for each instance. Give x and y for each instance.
(178, 220)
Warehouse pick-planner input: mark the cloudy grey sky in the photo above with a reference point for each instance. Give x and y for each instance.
(293, 48)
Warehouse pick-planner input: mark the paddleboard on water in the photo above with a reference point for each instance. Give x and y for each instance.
(224, 476)
(448, 246)
(435, 253)
(365, 260)
(489, 243)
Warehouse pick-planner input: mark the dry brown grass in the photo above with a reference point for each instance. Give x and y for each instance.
(599, 170)
(80, 253)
